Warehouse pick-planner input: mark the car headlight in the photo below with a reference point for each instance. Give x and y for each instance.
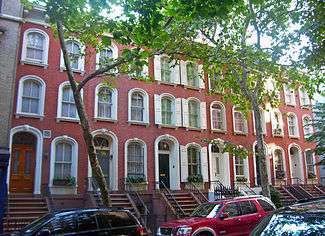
(185, 230)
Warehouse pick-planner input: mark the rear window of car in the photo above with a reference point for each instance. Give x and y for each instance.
(247, 207)
(265, 205)
(86, 221)
(291, 224)
(115, 219)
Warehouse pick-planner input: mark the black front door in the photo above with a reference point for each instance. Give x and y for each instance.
(163, 170)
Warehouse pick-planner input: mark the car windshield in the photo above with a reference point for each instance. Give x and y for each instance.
(30, 229)
(291, 224)
(206, 210)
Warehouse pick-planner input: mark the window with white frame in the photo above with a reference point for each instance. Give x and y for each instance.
(105, 56)
(135, 160)
(66, 104)
(239, 167)
(138, 106)
(278, 164)
(194, 161)
(277, 123)
(31, 95)
(63, 160)
(193, 77)
(307, 126)
(35, 46)
(304, 98)
(166, 111)
(289, 95)
(166, 70)
(194, 114)
(75, 51)
(218, 119)
(293, 125)
(240, 122)
(310, 164)
(105, 102)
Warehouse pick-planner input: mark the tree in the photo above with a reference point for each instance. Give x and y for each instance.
(249, 45)
(91, 21)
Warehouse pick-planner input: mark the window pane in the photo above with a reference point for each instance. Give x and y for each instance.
(64, 224)
(35, 46)
(265, 205)
(247, 207)
(231, 209)
(165, 70)
(74, 54)
(114, 219)
(137, 107)
(193, 111)
(192, 74)
(28, 162)
(16, 162)
(86, 221)
(135, 160)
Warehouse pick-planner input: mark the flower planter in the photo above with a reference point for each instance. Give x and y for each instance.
(139, 187)
(61, 182)
(198, 185)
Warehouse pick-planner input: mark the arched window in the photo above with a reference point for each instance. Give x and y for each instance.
(194, 161)
(166, 111)
(293, 125)
(31, 93)
(289, 95)
(310, 163)
(135, 160)
(106, 56)
(166, 71)
(307, 126)
(63, 160)
(66, 104)
(277, 123)
(304, 98)
(75, 51)
(218, 119)
(105, 102)
(279, 164)
(138, 106)
(194, 113)
(240, 122)
(192, 74)
(35, 47)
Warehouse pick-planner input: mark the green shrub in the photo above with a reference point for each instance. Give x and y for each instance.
(275, 197)
(195, 178)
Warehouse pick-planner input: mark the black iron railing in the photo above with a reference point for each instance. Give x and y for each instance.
(197, 192)
(221, 191)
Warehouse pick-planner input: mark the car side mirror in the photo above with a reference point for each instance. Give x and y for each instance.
(223, 216)
(44, 232)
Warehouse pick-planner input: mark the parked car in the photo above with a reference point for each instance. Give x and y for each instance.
(84, 222)
(299, 219)
(235, 216)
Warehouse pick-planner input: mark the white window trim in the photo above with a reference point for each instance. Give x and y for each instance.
(74, 158)
(300, 98)
(314, 161)
(293, 95)
(234, 126)
(114, 49)
(246, 169)
(184, 79)
(224, 119)
(274, 124)
(145, 103)
(24, 58)
(283, 162)
(114, 104)
(303, 125)
(173, 99)
(81, 61)
(20, 94)
(175, 71)
(199, 112)
(144, 156)
(297, 135)
(59, 106)
(301, 168)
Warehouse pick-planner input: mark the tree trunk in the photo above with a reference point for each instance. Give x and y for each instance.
(88, 138)
(261, 151)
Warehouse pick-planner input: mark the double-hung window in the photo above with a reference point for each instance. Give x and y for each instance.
(137, 107)
(166, 111)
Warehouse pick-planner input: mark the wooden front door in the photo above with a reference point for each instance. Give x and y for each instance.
(22, 168)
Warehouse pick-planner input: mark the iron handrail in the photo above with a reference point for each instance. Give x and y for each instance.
(249, 188)
(202, 197)
(169, 193)
(299, 181)
(133, 191)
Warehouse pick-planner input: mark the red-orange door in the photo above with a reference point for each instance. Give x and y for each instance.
(22, 167)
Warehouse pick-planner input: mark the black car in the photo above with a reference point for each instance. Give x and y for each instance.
(92, 221)
(299, 219)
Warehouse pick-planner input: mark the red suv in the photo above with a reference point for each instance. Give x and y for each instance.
(235, 216)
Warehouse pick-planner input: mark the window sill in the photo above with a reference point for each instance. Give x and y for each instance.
(167, 126)
(194, 129)
(67, 119)
(34, 63)
(105, 119)
(240, 133)
(167, 83)
(290, 104)
(294, 137)
(29, 115)
(307, 107)
(73, 70)
(218, 131)
(192, 87)
(278, 135)
(134, 122)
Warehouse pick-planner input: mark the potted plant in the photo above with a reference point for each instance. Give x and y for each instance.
(280, 174)
(311, 175)
(196, 180)
(68, 181)
(138, 183)
(241, 179)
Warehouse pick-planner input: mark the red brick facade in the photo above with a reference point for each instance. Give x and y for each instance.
(124, 131)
